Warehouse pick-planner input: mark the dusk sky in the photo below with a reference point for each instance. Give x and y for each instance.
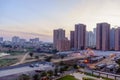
(38, 18)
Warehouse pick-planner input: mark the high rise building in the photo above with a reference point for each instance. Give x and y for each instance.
(15, 39)
(89, 39)
(103, 36)
(63, 45)
(112, 38)
(72, 39)
(94, 38)
(80, 36)
(58, 34)
(117, 39)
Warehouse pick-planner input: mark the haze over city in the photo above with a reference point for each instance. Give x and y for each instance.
(59, 39)
(26, 18)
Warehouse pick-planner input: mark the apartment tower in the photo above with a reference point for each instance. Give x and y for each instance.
(103, 36)
(80, 36)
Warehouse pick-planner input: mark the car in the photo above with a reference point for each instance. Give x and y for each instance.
(38, 71)
(31, 65)
(36, 65)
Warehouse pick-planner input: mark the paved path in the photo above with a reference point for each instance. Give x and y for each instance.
(24, 57)
(80, 76)
(22, 60)
(67, 59)
(102, 74)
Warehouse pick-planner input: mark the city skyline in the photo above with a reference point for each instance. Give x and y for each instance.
(7, 35)
(42, 16)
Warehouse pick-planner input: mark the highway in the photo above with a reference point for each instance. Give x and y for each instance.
(24, 69)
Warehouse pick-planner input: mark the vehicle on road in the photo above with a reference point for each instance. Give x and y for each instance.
(31, 65)
(36, 65)
(38, 71)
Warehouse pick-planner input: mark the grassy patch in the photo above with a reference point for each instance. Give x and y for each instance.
(68, 77)
(15, 52)
(87, 78)
(89, 74)
(7, 62)
(107, 78)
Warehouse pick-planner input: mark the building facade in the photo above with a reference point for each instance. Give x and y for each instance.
(80, 36)
(72, 33)
(103, 36)
(94, 38)
(90, 39)
(58, 34)
(112, 38)
(63, 45)
(117, 39)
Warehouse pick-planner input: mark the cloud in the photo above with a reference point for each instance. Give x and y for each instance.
(26, 35)
(35, 20)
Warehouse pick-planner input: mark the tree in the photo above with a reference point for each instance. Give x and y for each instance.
(56, 71)
(43, 74)
(38, 50)
(54, 51)
(48, 59)
(61, 63)
(75, 66)
(61, 70)
(50, 73)
(24, 77)
(36, 57)
(36, 77)
(62, 56)
(118, 62)
(31, 54)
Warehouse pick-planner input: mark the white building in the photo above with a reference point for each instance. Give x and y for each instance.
(15, 39)
(112, 38)
(91, 38)
(94, 38)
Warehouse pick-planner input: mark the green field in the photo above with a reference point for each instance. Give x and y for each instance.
(7, 62)
(87, 78)
(14, 52)
(68, 77)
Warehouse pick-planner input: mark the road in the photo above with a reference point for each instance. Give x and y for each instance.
(24, 69)
(67, 59)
